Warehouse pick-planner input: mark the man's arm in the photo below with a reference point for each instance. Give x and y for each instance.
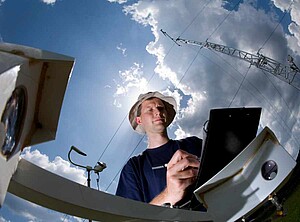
(182, 171)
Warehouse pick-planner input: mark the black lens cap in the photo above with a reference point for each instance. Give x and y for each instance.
(269, 170)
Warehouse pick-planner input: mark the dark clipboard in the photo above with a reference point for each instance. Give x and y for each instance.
(227, 132)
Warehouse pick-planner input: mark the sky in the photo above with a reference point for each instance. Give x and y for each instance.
(120, 52)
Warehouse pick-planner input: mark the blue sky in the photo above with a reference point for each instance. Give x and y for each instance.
(119, 53)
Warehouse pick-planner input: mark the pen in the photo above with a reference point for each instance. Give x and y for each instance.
(159, 167)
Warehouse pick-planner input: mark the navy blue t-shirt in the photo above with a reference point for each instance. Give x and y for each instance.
(138, 181)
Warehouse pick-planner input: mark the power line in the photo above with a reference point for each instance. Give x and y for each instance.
(125, 162)
(195, 17)
(279, 22)
(282, 120)
(126, 116)
(239, 87)
(113, 136)
(269, 37)
(190, 65)
(224, 19)
(259, 92)
(284, 126)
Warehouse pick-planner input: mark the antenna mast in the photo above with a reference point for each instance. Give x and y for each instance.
(288, 74)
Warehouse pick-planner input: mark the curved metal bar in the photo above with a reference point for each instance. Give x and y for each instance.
(47, 189)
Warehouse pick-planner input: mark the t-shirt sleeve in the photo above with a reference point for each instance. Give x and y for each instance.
(129, 186)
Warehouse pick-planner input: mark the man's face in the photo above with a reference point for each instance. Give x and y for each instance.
(153, 116)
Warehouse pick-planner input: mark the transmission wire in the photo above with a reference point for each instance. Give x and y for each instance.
(208, 37)
(209, 1)
(224, 19)
(285, 124)
(269, 78)
(127, 158)
(190, 65)
(271, 106)
(269, 37)
(279, 22)
(126, 116)
(111, 139)
(122, 122)
(239, 87)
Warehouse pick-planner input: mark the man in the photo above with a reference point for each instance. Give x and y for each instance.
(163, 173)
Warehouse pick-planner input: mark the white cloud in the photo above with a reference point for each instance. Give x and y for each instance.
(2, 219)
(294, 27)
(131, 80)
(58, 165)
(175, 94)
(147, 12)
(180, 134)
(122, 49)
(118, 1)
(49, 2)
(32, 212)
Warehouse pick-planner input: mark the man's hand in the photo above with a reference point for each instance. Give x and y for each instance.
(182, 171)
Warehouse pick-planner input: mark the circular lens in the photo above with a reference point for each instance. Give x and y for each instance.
(12, 120)
(269, 170)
